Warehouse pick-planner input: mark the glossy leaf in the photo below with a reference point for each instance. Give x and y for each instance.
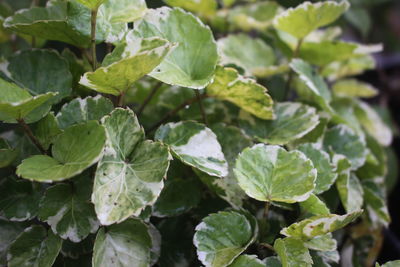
(307, 17)
(319, 225)
(66, 208)
(350, 191)
(248, 261)
(292, 121)
(221, 237)
(270, 173)
(202, 7)
(314, 205)
(322, 243)
(253, 60)
(129, 62)
(195, 145)
(68, 157)
(122, 245)
(375, 202)
(46, 130)
(125, 10)
(243, 92)
(353, 88)
(82, 110)
(185, 66)
(130, 174)
(292, 252)
(36, 246)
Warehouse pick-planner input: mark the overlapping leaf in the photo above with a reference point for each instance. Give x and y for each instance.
(353, 88)
(7, 154)
(292, 252)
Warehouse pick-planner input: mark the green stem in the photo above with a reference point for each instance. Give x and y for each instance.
(266, 209)
(31, 136)
(148, 99)
(268, 246)
(120, 99)
(203, 113)
(291, 73)
(93, 37)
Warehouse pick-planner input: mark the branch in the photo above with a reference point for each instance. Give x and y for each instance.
(148, 98)
(31, 136)
(93, 37)
(176, 110)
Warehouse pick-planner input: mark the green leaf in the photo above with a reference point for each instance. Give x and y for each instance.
(34, 247)
(8, 232)
(82, 110)
(293, 121)
(319, 225)
(127, 244)
(243, 92)
(270, 173)
(195, 145)
(314, 205)
(353, 88)
(307, 17)
(46, 130)
(247, 261)
(69, 159)
(17, 104)
(92, 4)
(253, 60)
(350, 191)
(232, 141)
(221, 237)
(292, 252)
(19, 199)
(41, 72)
(342, 140)
(373, 123)
(390, 264)
(185, 66)
(125, 10)
(178, 196)
(350, 67)
(322, 243)
(66, 208)
(322, 162)
(375, 202)
(130, 174)
(130, 61)
(318, 89)
(7, 153)
(256, 15)
(205, 8)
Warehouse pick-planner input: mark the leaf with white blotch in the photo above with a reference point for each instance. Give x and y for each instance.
(374, 196)
(186, 65)
(353, 88)
(322, 162)
(177, 197)
(82, 110)
(307, 17)
(195, 145)
(389, 264)
(318, 89)
(292, 121)
(254, 59)
(19, 199)
(68, 211)
(292, 252)
(350, 191)
(344, 114)
(373, 123)
(204, 8)
(129, 62)
(17, 104)
(376, 164)
(257, 15)
(247, 261)
(127, 244)
(314, 205)
(36, 246)
(69, 159)
(7, 153)
(92, 4)
(221, 237)
(270, 173)
(319, 225)
(41, 72)
(322, 243)
(8, 233)
(232, 141)
(125, 10)
(46, 130)
(342, 140)
(243, 92)
(130, 174)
